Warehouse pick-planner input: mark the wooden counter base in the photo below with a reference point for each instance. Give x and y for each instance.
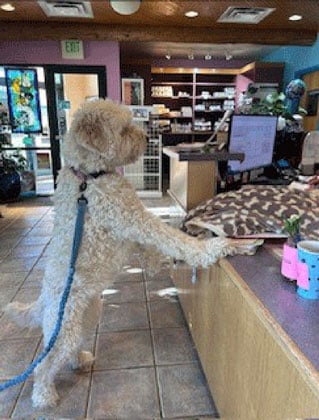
(253, 368)
(192, 183)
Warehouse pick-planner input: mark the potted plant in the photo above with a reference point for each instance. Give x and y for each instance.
(10, 168)
(290, 254)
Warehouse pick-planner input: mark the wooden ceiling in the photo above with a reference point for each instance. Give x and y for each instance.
(164, 22)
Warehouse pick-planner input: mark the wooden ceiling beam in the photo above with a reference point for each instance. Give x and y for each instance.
(59, 30)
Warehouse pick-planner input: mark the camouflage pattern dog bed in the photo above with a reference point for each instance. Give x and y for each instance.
(254, 209)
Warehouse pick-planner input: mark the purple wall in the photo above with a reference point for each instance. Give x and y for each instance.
(96, 53)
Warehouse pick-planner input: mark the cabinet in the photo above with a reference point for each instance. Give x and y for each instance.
(254, 369)
(190, 102)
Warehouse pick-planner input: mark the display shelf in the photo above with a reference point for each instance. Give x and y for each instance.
(218, 88)
(171, 97)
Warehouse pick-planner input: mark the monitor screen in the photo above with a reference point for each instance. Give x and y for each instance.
(253, 135)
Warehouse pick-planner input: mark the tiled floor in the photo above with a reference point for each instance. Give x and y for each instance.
(146, 366)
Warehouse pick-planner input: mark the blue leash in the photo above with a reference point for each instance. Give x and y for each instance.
(82, 202)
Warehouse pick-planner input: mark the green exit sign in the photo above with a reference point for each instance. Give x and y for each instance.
(73, 49)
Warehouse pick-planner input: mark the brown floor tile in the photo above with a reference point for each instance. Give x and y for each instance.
(166, 314)
(34, 279)
(23, 251)
(10, 330)
(6, 296)
(12, 280)
(73, 392)
(35, 240)
(123, 350)
(4, 252)
(125, 292)
(155, 289)
(15, 232)
(16, 356)
(40, 231)
(184, 392)
(173, 346)
(124, 394)
(28, 295)
(8, 401)
(41, 263)
(13, 265)
(128, 277)
(126, 316)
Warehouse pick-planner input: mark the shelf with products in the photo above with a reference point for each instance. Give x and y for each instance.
(206, 94)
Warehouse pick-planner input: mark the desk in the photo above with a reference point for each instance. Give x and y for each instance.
(256, 338)
(194, 175)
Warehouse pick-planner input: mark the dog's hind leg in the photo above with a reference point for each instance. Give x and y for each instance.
(44, 392)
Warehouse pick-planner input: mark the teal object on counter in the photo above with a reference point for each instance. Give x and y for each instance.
(308, 277)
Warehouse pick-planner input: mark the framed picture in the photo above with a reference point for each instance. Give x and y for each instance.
(133, 91)
(23, 100)
(140, 113)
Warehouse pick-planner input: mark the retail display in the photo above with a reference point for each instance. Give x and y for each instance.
(194, 101)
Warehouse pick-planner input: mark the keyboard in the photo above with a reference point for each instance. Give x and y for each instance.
(263, 180)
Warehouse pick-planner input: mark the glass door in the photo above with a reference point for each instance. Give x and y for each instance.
(67, 87)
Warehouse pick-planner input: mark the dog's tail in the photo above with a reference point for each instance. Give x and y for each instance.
(25, 314)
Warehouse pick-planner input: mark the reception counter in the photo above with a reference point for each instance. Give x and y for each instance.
(257, 340)
(193, 175)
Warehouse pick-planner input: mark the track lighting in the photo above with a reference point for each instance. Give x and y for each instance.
(168, 56)
(125, 7)
(228, 56)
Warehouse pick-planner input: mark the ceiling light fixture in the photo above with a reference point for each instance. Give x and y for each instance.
(190, 56)
(7, 7)
(228, 56)
(295, 17)
(125, 7)
(208, 57)
(191, 14)
(168, 56)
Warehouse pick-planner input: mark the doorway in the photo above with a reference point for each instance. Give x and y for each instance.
(67, 87)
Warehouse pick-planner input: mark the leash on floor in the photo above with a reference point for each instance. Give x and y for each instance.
(78, 231)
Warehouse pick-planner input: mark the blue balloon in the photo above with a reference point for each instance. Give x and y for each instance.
(294, 91)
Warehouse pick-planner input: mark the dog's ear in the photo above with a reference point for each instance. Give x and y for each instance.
(89, 132)
(96, 125)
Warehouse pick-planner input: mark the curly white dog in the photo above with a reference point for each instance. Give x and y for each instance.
(102, 137)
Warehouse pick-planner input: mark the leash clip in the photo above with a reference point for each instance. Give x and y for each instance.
(82, 199)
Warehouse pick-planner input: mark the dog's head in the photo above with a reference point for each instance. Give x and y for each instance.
(102, 136)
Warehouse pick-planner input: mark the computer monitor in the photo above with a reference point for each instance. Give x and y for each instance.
(253, 135)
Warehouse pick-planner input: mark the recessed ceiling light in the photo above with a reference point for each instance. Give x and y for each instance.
(295, 17)
(7, 7)
(191, 14)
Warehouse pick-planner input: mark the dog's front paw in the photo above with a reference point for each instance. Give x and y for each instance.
(84, 361)
(43, 397)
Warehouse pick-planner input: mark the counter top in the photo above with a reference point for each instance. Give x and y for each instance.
(197, 155)
(298, 317)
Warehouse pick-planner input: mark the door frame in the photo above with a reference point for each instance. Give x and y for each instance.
(49, 72)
